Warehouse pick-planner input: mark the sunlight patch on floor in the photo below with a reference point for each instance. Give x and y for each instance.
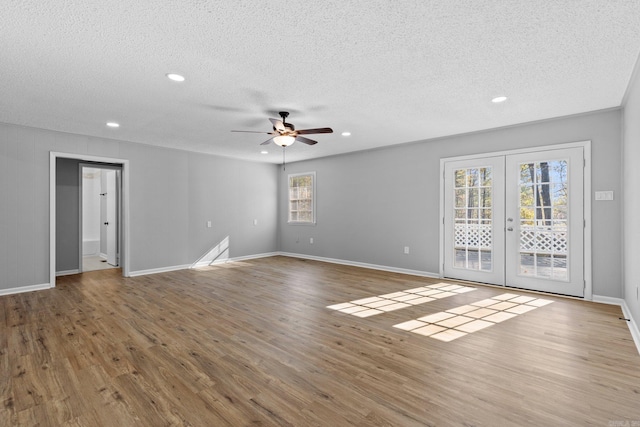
(457, 322)
(371, 306)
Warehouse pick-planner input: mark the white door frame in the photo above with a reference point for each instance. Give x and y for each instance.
(586, 145)
(124, 256)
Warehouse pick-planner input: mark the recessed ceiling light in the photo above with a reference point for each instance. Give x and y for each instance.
(346, 133)
(499, 99)
(113, 124)
(175, 77)
(264, 152)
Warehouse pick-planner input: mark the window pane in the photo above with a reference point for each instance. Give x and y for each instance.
(301, 198)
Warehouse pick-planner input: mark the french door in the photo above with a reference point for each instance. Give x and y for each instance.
(517, 220)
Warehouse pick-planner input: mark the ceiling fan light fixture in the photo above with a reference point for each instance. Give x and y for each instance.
(284, 140)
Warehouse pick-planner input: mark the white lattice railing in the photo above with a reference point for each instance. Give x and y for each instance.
(532, 239)
(543, 240)
(473, 236)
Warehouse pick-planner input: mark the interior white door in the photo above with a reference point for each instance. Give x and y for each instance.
(112, 218)
(516, 220)
(545, 221)
(474, 220)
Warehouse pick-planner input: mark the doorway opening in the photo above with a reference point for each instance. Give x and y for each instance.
(105, 236)
(100, 216)
(519, 219)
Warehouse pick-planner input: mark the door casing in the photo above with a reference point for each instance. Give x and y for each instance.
(586, 145)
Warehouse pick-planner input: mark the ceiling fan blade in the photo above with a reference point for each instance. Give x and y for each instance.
(310, 131)
(267, 142)
(252, 131)
(305, 140)
(278, 125)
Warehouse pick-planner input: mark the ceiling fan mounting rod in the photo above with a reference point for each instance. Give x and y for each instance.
(284, 115)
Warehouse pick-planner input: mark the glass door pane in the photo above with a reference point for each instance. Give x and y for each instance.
(545, 221)
(473, 220)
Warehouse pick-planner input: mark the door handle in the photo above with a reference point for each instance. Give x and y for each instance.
(106, 223)
(509, 228)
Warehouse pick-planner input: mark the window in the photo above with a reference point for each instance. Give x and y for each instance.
(302, 198)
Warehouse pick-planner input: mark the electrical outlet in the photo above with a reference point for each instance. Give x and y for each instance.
(311, 240)
(208, 224)
(406, 250)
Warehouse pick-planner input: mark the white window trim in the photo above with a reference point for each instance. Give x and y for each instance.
(313, 199)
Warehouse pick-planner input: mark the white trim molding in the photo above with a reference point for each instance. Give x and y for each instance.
(363, 265)
(22, 289)
(158, 270)
(626, 313)
(234, 259)
(67, 272)
(201, 264)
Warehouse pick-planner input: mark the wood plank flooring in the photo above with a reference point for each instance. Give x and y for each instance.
(253, 343)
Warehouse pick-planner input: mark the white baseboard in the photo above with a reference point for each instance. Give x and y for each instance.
(204, 264)
(234, 259)
(158, 270)
(30, 288)
(67, 272)
(364, 265)
(633, 325)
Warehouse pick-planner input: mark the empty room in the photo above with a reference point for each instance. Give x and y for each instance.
(232, 213)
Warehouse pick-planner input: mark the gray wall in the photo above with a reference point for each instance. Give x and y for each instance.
(171, 191)
(67, 215)
(631, 164)
(24, 208)
(372, 204)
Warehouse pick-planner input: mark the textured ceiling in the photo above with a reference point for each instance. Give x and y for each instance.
(388, 72)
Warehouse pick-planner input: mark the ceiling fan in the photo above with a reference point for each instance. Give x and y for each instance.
(285, 134)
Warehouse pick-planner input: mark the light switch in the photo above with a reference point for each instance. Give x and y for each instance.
(604, 195)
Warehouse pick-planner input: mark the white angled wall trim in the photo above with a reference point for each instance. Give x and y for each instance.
(631, 322)
(22, 289)
(250, 257)
(158, 270)
(67, 272)
(187, 266)
(364, 265)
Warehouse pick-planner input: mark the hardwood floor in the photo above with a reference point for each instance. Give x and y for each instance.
(253, 343)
